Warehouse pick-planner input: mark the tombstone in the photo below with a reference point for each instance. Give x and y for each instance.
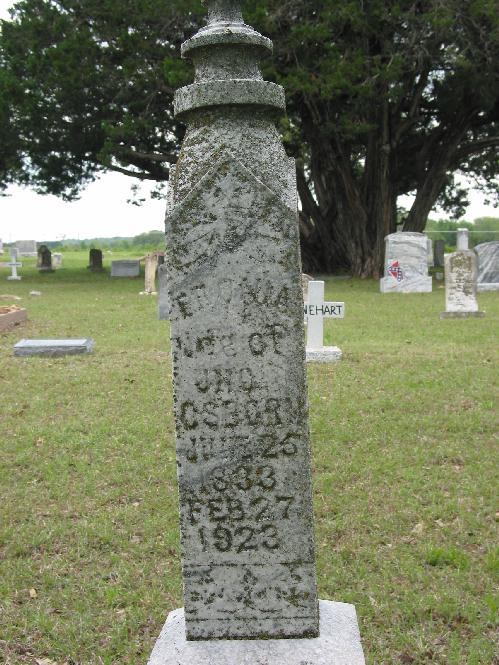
(125, 268)
(44, 263)
(14, 265)
(463, 239)
(151, 265)
(1, 246)
(439, 253)
(53, 348)
(461, 285)
(26, 248)
(488, 265)
(164, 297)
(243, 451)
(56, 260)
(430, 255)
(95, 260)
(406, 264)
(315, 311)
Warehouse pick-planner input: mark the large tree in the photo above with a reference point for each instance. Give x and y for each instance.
(384, 99)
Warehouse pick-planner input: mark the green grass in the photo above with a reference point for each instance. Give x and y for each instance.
(404, 434)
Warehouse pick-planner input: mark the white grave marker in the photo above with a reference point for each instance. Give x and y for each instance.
(14, 265)
(315, 311)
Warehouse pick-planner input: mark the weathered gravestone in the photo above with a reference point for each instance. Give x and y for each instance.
(44, 263)
(439, 253)
(95, 260)
(57, 260)
(27, 248)
(488, 265)
(406, 264)
(151, 265)
(243, 450)
(14, 265)
(430, 256)
(461, 285)
(125, 268)
(463, 239)
(164, 297)
(315, 311)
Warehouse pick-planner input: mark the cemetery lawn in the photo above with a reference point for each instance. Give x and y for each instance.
(404, 435)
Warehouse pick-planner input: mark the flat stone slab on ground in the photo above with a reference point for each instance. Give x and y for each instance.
(338, 644)
(328, 354)
(53, 347)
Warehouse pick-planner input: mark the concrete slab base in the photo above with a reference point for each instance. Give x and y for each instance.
(14, 279)
(490, 286)
(338, 644)
(462, 315)
(328, 354)
(53, 347)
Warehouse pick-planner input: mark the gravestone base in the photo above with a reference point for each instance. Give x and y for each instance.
(328, 354)
(14, 278)
(53, 348)
(461, 315)
(491, 286)
(417, 285)
(338, 644)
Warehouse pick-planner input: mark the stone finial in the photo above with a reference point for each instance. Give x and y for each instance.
(224, 11)
(226, 53)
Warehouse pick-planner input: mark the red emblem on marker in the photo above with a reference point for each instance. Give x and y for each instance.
(395, 271)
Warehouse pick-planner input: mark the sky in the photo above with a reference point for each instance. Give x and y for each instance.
(103, 211)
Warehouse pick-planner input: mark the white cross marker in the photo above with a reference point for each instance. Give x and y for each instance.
(14, 265)
(315, 311)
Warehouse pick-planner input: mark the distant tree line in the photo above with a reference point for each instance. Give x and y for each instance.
(144, 242)
(483, 229)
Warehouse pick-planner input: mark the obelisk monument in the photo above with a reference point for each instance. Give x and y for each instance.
(243, 449)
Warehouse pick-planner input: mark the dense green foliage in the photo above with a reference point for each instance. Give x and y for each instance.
(404, 438)
(384, 99)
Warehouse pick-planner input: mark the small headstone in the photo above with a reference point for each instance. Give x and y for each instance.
(14, 265)
(44, 263)
(431, 258)
(315, 311)
(1, 246)
(53, 347)
(460, 285)
(406, 264)
(463, 239)
(26, 248)
(151, 265)
(125, 268)
(488, 265)
(439, 252)
(164, 297)
(57, 260)
(95, 260)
